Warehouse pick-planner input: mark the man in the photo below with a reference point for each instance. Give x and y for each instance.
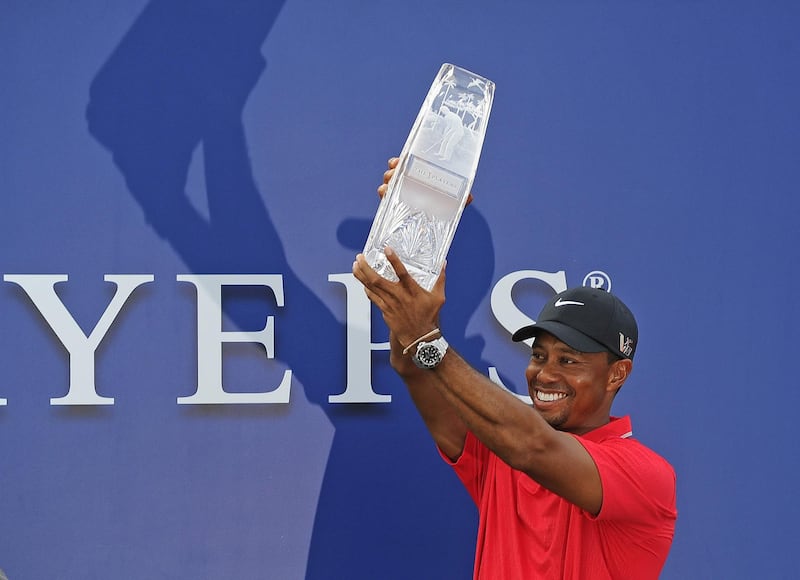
(563, 490)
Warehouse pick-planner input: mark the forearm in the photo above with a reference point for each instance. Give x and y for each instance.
(454, 398)
(440, 417)
(507, 426)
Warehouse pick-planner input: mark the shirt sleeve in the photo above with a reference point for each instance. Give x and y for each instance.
(638, 484)
(471, 466)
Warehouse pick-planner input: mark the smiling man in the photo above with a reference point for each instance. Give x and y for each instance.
(563, 489)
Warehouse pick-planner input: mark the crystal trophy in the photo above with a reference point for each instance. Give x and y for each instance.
(426, 196)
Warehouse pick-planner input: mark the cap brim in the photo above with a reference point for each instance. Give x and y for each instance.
(566, 334)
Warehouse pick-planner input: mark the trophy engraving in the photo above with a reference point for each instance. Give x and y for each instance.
(426, 196)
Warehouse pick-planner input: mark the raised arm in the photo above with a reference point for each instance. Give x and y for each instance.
(454, 397)
(440, 416)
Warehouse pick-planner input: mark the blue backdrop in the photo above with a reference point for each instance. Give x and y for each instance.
(655, 143)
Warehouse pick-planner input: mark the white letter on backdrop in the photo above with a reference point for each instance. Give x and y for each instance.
(359, 346)
(210, 338)
(40, 288)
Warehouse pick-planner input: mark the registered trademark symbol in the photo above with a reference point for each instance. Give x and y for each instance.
(598, 279)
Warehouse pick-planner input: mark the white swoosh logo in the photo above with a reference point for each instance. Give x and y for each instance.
(561, 302)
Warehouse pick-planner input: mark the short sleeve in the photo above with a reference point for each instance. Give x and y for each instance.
(638, 484)
(471, 467)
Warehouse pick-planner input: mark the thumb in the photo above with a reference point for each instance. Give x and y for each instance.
(438, 287)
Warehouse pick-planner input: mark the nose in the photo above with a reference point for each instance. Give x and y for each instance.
(543, 373)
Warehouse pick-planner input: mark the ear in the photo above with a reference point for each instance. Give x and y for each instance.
(618, 373)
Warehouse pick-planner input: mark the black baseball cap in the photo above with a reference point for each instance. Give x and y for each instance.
(588, 320)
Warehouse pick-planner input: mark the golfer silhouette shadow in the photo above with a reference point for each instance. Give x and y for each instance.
(179, 80)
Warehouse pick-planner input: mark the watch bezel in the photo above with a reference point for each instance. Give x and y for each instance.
(430, 354)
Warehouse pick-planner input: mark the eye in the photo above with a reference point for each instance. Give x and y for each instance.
(565, 360)
(537, 356)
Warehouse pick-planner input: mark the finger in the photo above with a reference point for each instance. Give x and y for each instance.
(399, 268)
(375, 299)
(367, 275)
(362, 270)
(376, 287)
(384, 187)
(387, 176)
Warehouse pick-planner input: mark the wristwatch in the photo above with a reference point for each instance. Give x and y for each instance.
(430, 354)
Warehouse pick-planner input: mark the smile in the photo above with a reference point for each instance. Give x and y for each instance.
(549, 397)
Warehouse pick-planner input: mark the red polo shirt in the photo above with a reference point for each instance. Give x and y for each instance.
(526, 531)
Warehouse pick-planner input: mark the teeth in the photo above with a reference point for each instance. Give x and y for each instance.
(549, 397)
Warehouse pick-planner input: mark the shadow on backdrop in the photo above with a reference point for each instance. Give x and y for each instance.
(179, 80)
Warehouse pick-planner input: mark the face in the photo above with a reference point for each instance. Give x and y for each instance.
(572, 390)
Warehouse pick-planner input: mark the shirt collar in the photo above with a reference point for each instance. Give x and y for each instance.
(618, 427)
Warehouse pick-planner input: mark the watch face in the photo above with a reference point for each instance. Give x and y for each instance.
(429, 355)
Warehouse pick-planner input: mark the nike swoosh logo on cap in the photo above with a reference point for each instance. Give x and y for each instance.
(561, 302)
